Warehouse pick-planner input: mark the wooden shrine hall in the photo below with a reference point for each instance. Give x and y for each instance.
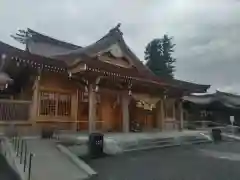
(100, 87)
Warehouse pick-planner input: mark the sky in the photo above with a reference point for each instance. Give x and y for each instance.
(206, 32)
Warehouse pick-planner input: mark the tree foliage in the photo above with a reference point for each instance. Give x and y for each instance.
(158, 55)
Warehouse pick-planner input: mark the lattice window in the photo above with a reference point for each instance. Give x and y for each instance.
(48, 102)
(64, 105)
(55, 104)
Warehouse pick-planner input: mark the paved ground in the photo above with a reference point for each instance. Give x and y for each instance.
(198, 162)
(50, 164)
(6, 172)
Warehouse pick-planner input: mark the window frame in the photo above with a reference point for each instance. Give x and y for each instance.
(57, 94)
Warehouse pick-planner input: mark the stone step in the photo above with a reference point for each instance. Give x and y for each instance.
(160, 143)
(154, 146)
(146, 142)
(145, 145)
(197, 141)
(190, 138)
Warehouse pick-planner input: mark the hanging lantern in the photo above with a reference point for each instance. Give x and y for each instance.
(96, 88)
(86, 89)
(129, 92)
(3, 56)
(4, 80)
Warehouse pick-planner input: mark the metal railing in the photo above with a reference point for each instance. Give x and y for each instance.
(14, 110)
(25, 156)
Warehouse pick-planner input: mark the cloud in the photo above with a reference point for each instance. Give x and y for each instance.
(206, 32)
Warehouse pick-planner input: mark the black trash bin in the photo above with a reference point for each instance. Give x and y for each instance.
(216, 134)
(95, 145)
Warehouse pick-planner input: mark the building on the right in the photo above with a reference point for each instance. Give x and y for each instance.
(213, 109)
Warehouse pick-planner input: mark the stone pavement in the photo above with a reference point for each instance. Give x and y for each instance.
(50, 164)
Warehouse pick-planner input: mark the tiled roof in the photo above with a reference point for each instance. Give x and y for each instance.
(115, 36)
(84, 54)
(13, 53)
(36, 36)
(112, 37)
(226, 99)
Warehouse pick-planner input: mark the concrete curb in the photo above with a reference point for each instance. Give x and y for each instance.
(11, 158)
(207, 136)
(76, 160)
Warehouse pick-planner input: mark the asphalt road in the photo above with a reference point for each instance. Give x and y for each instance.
(196, 162)
(6, 172)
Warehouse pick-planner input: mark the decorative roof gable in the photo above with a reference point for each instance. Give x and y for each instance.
(108, 51)
(113, 43)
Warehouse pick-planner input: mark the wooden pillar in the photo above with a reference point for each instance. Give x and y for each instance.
(34, 110)
(174, 109)
(92, 109)
(159, 114)
(125, 113)
(74, 109)
(106, 108)
(181, 115)
(162, 101)
(175, 122)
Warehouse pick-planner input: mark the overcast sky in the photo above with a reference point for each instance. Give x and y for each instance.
(206, 32)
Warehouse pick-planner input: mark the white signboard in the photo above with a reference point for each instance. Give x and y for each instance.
(232, 119)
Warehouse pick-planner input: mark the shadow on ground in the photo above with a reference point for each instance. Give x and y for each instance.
(6, 172)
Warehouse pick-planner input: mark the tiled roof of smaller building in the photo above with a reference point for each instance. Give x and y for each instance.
(226, 99)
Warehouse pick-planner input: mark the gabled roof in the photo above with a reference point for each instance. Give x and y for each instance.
(226, 99)
(36, 61)
(39, 37)
(114, 36)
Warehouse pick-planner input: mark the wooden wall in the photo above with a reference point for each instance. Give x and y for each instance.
(54, 82)
(109, 116)
(111, 113)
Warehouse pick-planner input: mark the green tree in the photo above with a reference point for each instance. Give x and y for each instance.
(158, 55)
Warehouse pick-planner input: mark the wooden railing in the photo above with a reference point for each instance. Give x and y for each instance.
(14, 110)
